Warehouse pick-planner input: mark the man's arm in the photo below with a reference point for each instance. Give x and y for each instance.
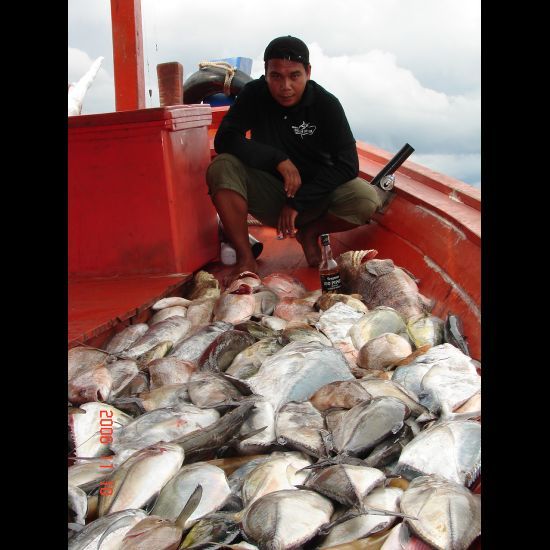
(231, 135)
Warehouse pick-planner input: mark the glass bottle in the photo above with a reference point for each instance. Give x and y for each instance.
(328, 268)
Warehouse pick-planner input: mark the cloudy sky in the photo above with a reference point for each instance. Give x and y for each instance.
(404, 70)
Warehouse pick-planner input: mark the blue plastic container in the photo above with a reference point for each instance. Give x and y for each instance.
(244, 64)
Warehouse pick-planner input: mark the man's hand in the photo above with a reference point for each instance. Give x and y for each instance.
(285, 226)
(292, 178)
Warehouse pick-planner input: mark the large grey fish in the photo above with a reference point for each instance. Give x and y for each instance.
(204, 443)
(160, 425)
(199, 313)
(262, 416)
(236, 306)
(377, 321)
(297, 371)
(175, 494)
(451, 450)
(345, 483)
(221, 352)
(284, 285)
(85, 428)
(156, 352)
(363, 525)
(449, 515)
(152, 532)
(337, 320)
(298, 426)
(172, 330)
(256, 329)
(340, 395)
(247, 362)
(141, 477)
(274, 323)
(378, 387)
(170, 370)
(209, 389)
(425, 329)
(451, 380)
(293, 309)
(192, 347)
(381, 282)
(125, 338)
(410, 376)
(114, 526)
(286, 519)
(383, 352)
(367, 424)
(282, 472)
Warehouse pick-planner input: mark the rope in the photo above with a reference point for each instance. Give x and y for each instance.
(229, 74)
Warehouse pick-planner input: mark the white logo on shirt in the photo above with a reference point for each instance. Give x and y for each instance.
(305, 129)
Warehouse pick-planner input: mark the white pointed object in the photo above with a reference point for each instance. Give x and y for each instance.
(78, 90)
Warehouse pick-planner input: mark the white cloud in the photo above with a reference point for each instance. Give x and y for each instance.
(404, 70)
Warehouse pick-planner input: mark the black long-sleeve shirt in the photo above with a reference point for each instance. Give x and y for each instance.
(314, 134)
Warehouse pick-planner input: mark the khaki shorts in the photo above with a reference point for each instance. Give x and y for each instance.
(354, 201)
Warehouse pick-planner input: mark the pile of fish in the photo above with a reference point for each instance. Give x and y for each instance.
(268, 416)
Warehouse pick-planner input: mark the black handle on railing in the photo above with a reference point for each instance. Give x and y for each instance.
(394, 163)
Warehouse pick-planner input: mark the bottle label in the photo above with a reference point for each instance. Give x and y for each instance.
(331, 283)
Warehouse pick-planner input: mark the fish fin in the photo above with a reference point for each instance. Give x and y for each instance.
(379, 512)
(238, 438)
(190, 506)
(241, 385)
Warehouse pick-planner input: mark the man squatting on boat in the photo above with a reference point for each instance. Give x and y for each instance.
(298, 172)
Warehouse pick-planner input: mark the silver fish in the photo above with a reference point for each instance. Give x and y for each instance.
(451, 450)
(274, 323)
(425, 329)
(171, 301)
(277, 474)
(298, 426)
(266, 300)
(236, 306)
(86, 428)
(378, 387)
(453, 333)
(383, 352)
(141, 477)
(326, 301)
(367, 424)
(286, 519)
(166, 313)
(360, 527)
(88, 474)
(337, 321)
(114, 525)
(199, 313)
(192, 347)
(82, 358)
(340, 395)
(248, 361)
(297, 371)
(176, 493)
(78, 503)
(297, 331)
(125, 338)
(209, 389)
(91, 384)
(122, 372)
(377, 321)
(449, 515)
(172, 330)
(170, 370)
(389, 450)
(345, 483)
(284, 285)
(221, 352)
(262, 416)
(160, 425)
(170, 395)
(152, 532)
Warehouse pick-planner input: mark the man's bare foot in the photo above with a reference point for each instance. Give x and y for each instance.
(310, 246)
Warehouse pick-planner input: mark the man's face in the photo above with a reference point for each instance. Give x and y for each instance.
(286, 80)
